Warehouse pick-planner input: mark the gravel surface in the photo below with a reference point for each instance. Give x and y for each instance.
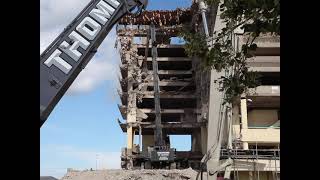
(186, 174)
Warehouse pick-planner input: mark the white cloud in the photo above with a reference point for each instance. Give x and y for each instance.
(92, 76)
(59, 13)
(55, 15)
(47, 36)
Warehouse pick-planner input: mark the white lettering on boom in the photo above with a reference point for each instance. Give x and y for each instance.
(103, 13)
(88, 28)
(72, 50)
(54, 59)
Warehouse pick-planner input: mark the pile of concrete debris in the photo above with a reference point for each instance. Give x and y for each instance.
(186, 174)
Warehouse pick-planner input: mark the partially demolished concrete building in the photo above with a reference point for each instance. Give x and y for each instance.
(237, 142)
(176, 81)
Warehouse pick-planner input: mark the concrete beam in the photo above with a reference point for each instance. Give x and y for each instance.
(264, 102)
(176, 125)
(175, 72)
(150, 94)
(265, 69)
(265, 59)
(172, 83)
(265, 91)
(123, 111)
(170, 46)
(166, 111)
(169, 131)
(263, 41)
(164, 59)
(151, 125)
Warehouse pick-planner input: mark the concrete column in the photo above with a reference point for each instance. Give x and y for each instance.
(204, 137)
(245, 146)
(215, 113)
(250, 175)
(130, 137)
(215, 102)
(244, 113)
(244, 118)
(236, 121)
(131, 117)
(196, 141)
(130, 134)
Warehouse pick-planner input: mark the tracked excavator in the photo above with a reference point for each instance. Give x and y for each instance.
(72, 50)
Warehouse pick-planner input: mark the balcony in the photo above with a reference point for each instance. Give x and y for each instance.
(261, 134)
(265, 69)
(263, 41)
(264, 63)
(264, 97)
(267, 55)
(265, 91)
(260, 164)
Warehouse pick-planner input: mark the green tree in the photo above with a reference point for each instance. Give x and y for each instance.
(255, 17)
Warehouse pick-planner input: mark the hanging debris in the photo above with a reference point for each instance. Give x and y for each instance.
(159, 18)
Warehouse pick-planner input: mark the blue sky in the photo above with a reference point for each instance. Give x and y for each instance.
(83, 127)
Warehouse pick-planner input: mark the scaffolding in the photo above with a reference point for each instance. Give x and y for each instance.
(253, 157)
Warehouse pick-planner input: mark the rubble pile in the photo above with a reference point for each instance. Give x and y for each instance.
(175, 174)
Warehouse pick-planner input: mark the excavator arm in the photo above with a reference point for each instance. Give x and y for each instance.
(71, 51)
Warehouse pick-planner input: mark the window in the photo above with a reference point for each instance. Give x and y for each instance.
(139, 40)
(270, 78)
(263, 118)
(181, 142)
(177, 41)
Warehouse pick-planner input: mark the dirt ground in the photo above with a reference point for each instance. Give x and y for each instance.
(186, 174)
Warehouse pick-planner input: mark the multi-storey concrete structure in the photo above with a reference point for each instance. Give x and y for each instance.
(241, 139)
(256, 116)
(177, 91)
(250, 135)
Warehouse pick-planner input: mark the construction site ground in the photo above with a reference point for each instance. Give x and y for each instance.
(150, 174)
